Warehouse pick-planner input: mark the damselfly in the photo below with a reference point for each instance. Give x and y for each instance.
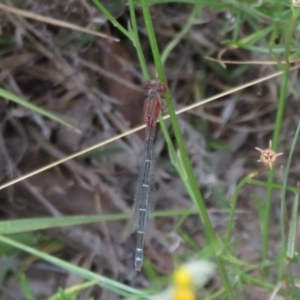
(143, 195)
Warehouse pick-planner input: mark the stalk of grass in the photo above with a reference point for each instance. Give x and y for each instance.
(276, 134)
(32, 224)
(171, 45)
(26, 288)
(274, 185)
(182, 150)
(190, 177)
(105, 282)
(290, 253)
(172, 152)
(176, 162)
(6, 266)
(290, 31)
(137, 44)
(271, 174)
(286, 253)
(257, 282)
(233, 203)
(14, 98)
(136, 41)
(216, 295)
(71, 292)
(112, 19)
(142, 61)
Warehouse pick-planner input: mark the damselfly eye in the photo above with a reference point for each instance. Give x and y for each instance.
(146, 85)
(161, 88)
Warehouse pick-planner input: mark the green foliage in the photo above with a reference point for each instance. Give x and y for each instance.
(269, 21)
(12, 97)
(72, 292)
(26, 288)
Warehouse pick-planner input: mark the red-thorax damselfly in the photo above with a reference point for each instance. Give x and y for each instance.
(143, 195)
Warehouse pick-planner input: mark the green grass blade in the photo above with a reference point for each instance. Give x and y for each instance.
(136, 41)
(259, 205)
(283, 93)
(233, 203)
(276, 134)
(6, 265)
(171, 45)
(190, 177)
(23, 225)
(274, 185)
(237, 261)
(72, 291)
(112, 19)
(105, 282)
(257, 282)
(12, 97)
(181, 145)
(290, 247)
(26, 288)
(290, 253)
(25, 238)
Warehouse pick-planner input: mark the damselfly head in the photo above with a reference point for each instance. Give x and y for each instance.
(154, 85)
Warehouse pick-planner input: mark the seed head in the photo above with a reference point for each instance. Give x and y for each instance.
(268, 156)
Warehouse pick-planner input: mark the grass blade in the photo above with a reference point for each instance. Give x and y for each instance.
(105, 282)
(12, 97)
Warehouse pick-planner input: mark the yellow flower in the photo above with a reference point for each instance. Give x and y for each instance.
(186, 280)
(184, 293)
(182, 277)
